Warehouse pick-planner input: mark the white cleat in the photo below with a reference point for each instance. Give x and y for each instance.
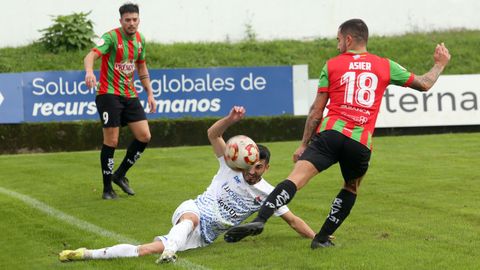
(168, 256)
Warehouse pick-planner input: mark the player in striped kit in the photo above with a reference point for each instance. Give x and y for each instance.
(353, 83)
(122, 51)
(231, 197)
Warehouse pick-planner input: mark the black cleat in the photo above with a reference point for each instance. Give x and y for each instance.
(122, 182)
(109, 195)
(239, 232)
(317, 243)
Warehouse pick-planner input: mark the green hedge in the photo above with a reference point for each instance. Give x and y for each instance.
(87, 135)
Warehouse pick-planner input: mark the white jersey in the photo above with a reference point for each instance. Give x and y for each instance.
(229, 200)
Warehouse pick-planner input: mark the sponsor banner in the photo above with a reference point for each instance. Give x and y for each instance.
(11, 98)
(57, 96)
(453, 101)
(263, 91)
(63, 96)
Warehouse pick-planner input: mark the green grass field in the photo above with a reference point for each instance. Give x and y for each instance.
(418, 208)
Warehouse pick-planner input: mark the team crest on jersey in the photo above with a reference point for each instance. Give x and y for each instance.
(127, 67)
(100, 42)
(237, 179)
(140, 48)
(120, 46)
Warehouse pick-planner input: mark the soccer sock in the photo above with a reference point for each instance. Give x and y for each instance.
(135, 149)
(177, 237)
(280, 196)
(117, 251)
(106, 161)
(339, 211)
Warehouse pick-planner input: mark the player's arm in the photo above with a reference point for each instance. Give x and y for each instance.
(88, 61)
(145, 80)
(298, 225)
(216, 131)
(441, 56)
(314, 118)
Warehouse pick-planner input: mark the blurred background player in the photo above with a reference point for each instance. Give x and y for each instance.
(231, 197)
(122, 51)
(354, 83)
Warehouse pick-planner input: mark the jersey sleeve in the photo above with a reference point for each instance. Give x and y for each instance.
(399, 75)
(104, 44)
(323, 82)
(143, 53)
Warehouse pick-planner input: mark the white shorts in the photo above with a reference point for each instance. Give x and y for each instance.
(194, 239)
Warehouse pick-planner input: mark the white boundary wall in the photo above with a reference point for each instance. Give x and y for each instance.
(221, 20)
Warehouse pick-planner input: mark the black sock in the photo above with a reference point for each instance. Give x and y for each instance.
(280, 196)
(339, 211)
(106, 161)
(135, 149)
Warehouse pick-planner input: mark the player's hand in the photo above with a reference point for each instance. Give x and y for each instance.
(237, 113)
(90, 80)
(298, 152)
(441, 55)
(152, 104)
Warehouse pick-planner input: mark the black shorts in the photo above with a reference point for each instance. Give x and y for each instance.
(116, 111)
(329, 147)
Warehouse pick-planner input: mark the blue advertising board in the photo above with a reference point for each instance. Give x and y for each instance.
(11, 98)
(196, 92)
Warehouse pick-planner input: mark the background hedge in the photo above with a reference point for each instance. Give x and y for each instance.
(87, 135)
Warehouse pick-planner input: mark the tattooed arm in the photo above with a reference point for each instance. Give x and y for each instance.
(313, 120)
(424, 82)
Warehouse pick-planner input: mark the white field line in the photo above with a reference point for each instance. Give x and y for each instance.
(84, 225)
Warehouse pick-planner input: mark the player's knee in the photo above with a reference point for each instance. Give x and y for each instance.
(144, 137)
(111, 142)
(352, 186)
(192, 217)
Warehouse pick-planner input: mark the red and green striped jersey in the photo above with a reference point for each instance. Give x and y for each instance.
(355, 84)
(119, 54)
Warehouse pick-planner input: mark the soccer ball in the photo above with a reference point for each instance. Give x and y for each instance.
(241, 153)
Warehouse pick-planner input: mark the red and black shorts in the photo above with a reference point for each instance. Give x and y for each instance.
(116, 111)
(329, 147)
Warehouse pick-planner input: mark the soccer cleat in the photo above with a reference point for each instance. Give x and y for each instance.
(109, 195)
(122, 182)
(72, 255)
(317, 243)
(239, 232)
(168, 256)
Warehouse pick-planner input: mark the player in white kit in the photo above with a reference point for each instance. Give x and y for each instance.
(230, 199)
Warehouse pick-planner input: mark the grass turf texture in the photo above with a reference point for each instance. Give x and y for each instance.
(417, 209)
(413, 51)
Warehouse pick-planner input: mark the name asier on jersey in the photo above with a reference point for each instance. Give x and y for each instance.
(360, 66)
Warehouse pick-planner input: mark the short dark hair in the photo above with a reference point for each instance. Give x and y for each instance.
(128, 8)
(264, 153)
(356, 28)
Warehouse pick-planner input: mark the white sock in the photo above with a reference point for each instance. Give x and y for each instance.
(177, 237)
(117, 251)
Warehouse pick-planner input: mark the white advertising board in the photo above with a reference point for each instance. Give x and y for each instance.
(453, 101)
